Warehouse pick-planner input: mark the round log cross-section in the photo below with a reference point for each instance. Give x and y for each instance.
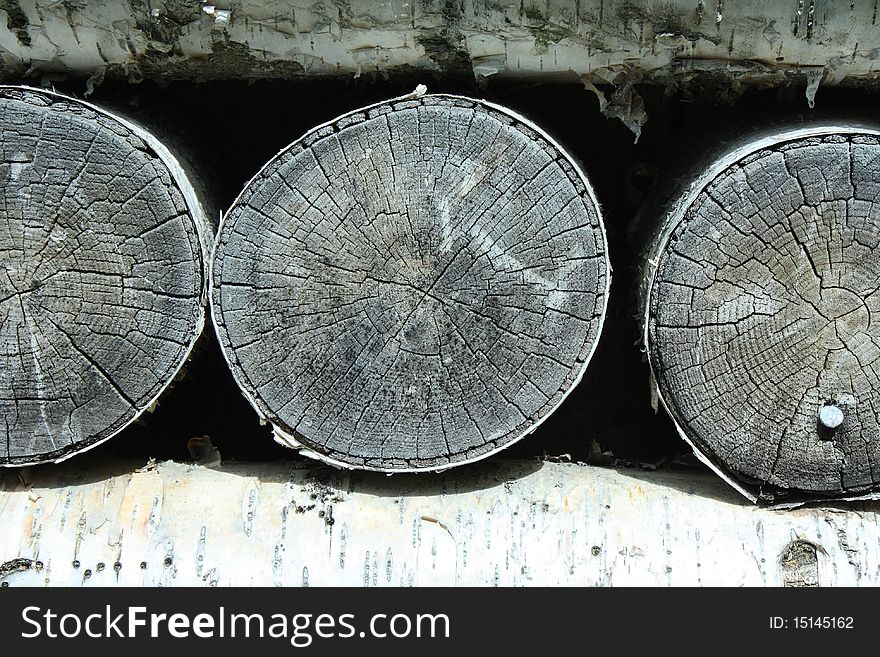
(764, 315)
(103, 248)
(412, 286)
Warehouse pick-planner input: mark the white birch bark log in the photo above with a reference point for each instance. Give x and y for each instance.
(751, 41)
(103, 249)
(501, 523)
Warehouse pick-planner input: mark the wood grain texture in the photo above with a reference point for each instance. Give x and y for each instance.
(412, 286)
(763, 316)
(102, 285)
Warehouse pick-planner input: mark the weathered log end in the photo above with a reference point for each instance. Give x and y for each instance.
(102, 291)
(412, 286)
(763, 328)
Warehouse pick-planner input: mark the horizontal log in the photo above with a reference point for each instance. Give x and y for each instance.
(761, 323)
(104, 249)
(413, 285)
(501, 522)
(749, 41)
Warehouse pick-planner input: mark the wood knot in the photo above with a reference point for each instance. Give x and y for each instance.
(799, 565)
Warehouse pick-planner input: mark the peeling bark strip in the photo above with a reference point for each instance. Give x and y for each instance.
(412, 286)
(102, 290)
(762, 326)
(750, 42)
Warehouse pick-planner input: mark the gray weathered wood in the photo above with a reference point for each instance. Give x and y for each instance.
(102, 286)
(413, 285)
(762, 315)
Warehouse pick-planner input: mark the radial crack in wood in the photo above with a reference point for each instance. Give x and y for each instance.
(102, 285)
(762, 315)
(412, 286)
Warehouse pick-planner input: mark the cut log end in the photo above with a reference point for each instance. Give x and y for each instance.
(763, 323)
(413, 286)
(101, 288)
